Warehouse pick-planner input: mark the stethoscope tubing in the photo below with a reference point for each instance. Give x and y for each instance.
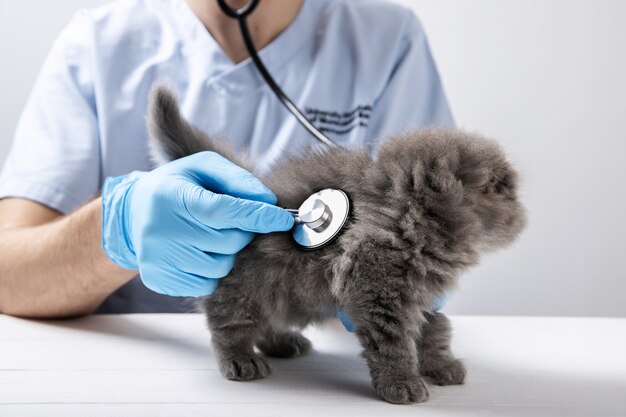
(241, 15)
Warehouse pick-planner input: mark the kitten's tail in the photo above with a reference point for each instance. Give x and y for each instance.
(172, 137)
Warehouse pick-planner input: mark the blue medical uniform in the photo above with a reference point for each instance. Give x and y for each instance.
(361, 70)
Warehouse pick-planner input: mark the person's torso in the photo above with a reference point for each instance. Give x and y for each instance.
(324, 61)
(333, 61)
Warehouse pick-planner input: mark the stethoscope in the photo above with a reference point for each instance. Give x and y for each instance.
(322, 215)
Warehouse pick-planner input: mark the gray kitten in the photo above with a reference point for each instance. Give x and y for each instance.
(421, 213)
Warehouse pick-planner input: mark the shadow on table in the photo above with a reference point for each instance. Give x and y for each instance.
(513, 392)
(334, 373)
(125, 326)
(490, 389)
(341, 374)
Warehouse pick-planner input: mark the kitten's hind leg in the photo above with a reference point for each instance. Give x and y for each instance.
(233, 333)
(436, 360)
(284, 344)
(235, 354)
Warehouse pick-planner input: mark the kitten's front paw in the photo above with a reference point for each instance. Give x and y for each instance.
(451, 373)
(245, 368)
(285, 345)
(402, 392)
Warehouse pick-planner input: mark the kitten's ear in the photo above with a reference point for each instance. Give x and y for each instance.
(172, 137)
(484, 167)
(503, 180)
(440, 175)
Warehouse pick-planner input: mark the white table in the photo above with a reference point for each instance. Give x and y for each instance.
(153, 365)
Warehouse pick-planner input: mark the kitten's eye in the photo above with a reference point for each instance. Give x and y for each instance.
(499, 184)
(504, 184)
(490, 186)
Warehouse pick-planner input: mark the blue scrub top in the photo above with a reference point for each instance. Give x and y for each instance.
(361, 70)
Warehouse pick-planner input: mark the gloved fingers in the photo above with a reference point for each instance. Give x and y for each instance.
(223, 242)
(176, 283)
(218, 174)
(210, 265)
(346, 321)
(221, 211)
(183, 257)
(184, 271)
(440, 302)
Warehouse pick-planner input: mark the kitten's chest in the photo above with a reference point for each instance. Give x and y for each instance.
(304, 297)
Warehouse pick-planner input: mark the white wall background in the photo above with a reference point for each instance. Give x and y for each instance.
(545, 77)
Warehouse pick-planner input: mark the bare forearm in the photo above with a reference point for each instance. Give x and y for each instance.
(57, 269)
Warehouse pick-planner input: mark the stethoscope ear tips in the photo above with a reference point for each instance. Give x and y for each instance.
(320, 218)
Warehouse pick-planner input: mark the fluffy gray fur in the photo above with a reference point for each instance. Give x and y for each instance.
(422, 212)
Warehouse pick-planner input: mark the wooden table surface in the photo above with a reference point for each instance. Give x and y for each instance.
(163, 364)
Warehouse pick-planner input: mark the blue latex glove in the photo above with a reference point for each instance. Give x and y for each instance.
(347, 322)
(182, 224)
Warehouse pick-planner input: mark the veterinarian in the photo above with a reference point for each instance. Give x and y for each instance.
(81, 210)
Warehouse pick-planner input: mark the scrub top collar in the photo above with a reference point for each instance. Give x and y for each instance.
(243, 77)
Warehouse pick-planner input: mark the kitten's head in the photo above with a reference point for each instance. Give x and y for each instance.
(462, 181)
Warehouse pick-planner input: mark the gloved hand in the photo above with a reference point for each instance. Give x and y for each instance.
(346, 321)
(182, 224)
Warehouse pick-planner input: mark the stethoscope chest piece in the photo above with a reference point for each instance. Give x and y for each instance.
(320, 218)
